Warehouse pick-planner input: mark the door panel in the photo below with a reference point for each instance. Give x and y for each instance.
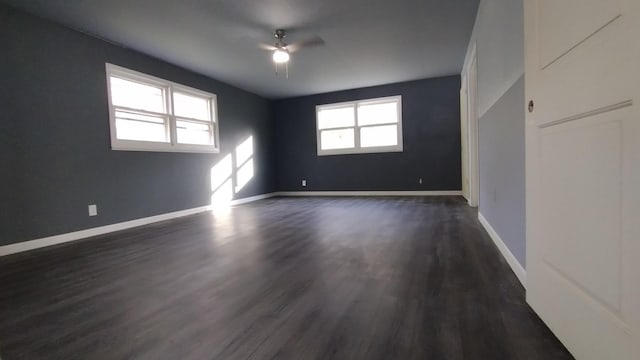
(589, 331)
(567, 23)
(574, 83)
(583, 177)
(585, 160)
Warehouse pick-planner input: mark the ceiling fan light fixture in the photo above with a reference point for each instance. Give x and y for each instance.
(281, 56)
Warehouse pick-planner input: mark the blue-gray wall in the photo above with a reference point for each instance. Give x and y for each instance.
(499, 36)
(431, 131)
(502, 168)
(55, 154)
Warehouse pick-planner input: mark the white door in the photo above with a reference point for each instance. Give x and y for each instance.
(583, 173)
(464, 139)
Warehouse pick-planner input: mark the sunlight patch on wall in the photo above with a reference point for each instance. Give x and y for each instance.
(221, 183)
(232, 174)
(244, 151)
(244, 174)
(244, 163)
(221, 198)
(221, 172)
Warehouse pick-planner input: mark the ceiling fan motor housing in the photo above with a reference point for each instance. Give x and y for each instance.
(280, 34)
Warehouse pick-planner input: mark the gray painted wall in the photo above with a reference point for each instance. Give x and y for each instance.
(502, 169)
(55, 151)
(499, 35)
(431, 131)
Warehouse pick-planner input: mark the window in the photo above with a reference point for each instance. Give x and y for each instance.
(366, 126)
(150, 114)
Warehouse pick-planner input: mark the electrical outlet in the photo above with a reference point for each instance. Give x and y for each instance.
(93, 210)
(304, 182)
(420, 181)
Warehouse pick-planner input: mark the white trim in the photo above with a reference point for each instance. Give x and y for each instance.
(82, 234)
(515, 265)
(357, 148)
(77, 235)
(473, 163)
(464, 139)
(370, 193)
(252, 198)
(168, 87)
(150, 146)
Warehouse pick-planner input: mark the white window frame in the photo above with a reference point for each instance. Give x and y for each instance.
(357, 149)
(169, 87)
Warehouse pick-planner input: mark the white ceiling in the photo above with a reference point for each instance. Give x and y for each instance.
(367, 42)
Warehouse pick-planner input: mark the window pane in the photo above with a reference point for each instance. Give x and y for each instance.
(193, 133)
(337, 139)
(190, 106)
(334, 118)
(386, 135)
(383, 113)
(137, 96)
(132, 126)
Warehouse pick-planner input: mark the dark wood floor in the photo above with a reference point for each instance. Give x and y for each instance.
(285, 278)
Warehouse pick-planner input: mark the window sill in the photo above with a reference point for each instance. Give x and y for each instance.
(360, 151)
(162, 147)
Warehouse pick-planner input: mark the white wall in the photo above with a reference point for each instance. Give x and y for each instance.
(499, 36)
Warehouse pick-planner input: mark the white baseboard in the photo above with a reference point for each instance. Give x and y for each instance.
(369, 193)
(252, 198)
(515, 265)
(77, 235)
(82, 234)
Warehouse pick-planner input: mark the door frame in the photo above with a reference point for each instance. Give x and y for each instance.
(469, 85)
(464, 138)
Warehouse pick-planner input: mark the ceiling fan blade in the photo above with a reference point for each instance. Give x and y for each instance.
(267, 47)
(314, 41)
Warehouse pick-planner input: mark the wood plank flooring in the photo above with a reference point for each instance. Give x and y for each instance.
(282, 278)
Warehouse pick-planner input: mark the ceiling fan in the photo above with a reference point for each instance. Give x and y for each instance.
(282, 51)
